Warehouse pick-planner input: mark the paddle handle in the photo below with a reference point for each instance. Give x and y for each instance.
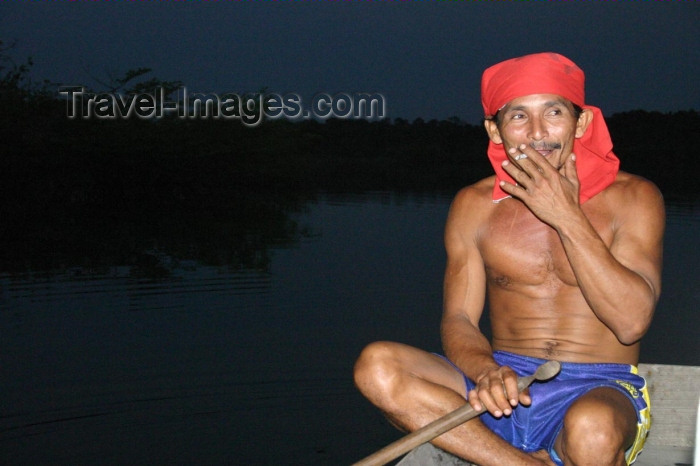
(430, 431)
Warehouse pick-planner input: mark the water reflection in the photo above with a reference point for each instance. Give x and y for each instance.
(236, 232)
(178, 358)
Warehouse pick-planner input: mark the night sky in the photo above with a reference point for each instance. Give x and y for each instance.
(425, 58)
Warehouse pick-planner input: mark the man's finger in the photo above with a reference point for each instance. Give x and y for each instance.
(510, 384)
(531, 162)
(570, 170)
(473, 399)
(492, 396)
(481, 398)
(524, 397)
(513, 190)
(523, 175)
(515, 171)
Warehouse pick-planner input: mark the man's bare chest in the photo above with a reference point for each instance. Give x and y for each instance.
(518, 249)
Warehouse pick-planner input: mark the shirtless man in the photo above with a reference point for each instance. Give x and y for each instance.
(568, 250)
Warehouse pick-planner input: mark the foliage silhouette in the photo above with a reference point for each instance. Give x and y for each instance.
(97, 192)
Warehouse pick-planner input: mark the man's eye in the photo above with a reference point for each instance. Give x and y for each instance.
(518, 116)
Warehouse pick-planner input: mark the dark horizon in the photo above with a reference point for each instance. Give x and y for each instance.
(427, 59)
(137, 175)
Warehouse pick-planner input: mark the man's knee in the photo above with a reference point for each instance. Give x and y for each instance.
(377, 368)
(598, 428)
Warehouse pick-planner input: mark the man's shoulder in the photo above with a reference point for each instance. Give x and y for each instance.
(479, 192)
(630, 196)
(629, 187)
(472, 204)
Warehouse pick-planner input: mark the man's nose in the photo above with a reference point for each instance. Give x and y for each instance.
(537, 130)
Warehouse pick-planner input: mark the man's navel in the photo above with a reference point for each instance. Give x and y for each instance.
(550, 349)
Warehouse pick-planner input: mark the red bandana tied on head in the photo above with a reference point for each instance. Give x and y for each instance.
(550, 73)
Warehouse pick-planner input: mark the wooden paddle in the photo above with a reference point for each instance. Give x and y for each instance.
(449, 421)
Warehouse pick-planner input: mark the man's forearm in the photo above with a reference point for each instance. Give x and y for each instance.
(621, 298)
(467, 347)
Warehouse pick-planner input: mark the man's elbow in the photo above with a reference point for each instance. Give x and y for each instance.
(630, 336)
(634, 330)
(639, 320)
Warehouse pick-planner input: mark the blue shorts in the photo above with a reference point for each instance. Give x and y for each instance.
(535, 427)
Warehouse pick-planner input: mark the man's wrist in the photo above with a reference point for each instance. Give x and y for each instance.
(482, 368)
(573, 223)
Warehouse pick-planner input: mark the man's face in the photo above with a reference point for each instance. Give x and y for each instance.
(546, 122)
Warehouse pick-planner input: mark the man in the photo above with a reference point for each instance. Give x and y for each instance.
(568, 250)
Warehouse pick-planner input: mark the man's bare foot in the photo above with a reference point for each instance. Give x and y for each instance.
(544, 457)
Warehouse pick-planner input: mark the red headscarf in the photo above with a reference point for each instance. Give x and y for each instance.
(550, 73)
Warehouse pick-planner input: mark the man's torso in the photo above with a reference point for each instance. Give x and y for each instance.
(536, 306)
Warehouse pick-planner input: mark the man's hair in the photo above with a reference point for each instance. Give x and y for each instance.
(577, 113)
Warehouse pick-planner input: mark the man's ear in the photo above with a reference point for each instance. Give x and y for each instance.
(584, 119)
(492, 131)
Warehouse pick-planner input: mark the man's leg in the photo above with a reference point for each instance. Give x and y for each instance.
(598, 428)
(413, 387)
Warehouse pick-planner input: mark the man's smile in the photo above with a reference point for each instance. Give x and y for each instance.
(545, 148)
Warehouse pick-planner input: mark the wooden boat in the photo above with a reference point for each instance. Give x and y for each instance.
(675, 429)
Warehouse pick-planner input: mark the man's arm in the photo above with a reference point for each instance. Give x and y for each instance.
(622, 283)
(464, 296)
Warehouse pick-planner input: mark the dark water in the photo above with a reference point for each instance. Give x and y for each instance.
(214, 365)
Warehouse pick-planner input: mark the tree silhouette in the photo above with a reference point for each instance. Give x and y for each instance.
(218, 191)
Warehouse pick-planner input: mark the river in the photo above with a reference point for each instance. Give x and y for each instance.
(213, 364)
